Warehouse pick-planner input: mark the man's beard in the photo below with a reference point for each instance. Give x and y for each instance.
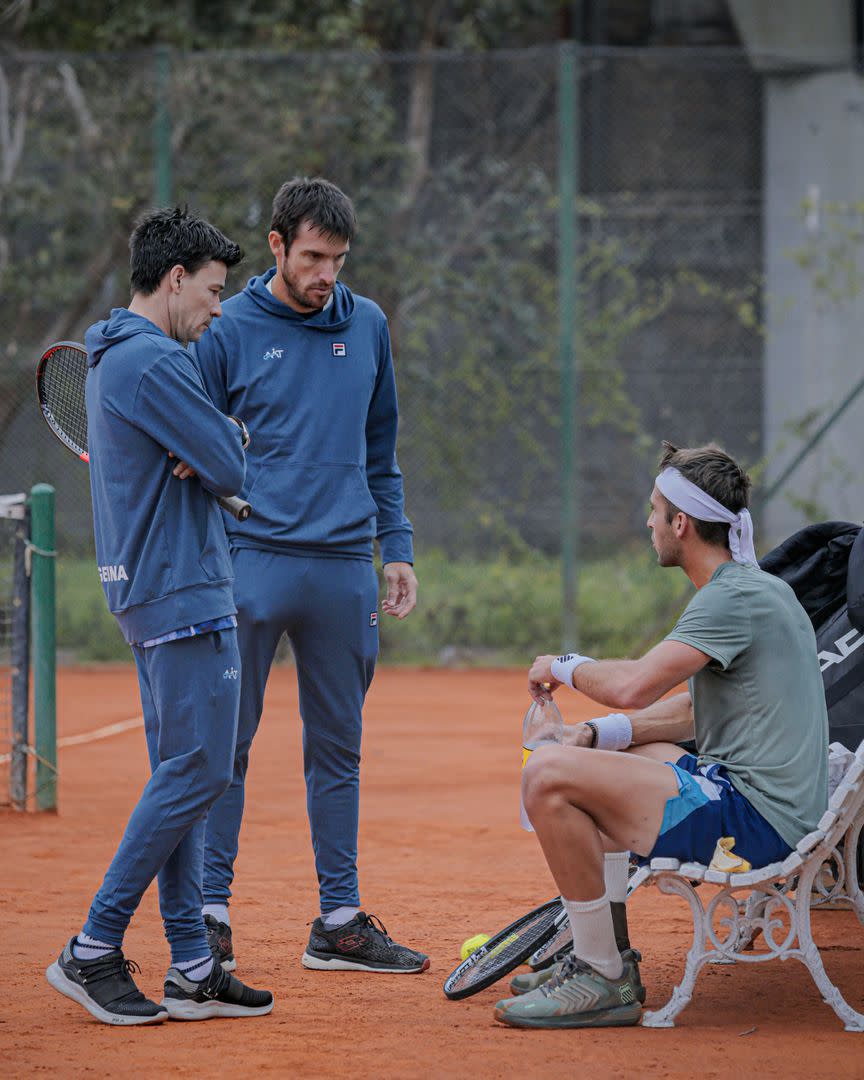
(302, 298)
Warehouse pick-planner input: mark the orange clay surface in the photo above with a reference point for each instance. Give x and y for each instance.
(442, 858)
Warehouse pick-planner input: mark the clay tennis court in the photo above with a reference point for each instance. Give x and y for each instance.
(442, 858)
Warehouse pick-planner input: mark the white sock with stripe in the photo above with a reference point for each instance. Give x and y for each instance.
(89, 948)
(593, 936)
(198, 969)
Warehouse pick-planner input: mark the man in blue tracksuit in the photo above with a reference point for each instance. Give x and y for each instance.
(165, 568)
(308, 365)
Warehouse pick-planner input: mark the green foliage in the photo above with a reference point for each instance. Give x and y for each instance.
(86, 25)
(86, 630)
(512, 606)
(502, 611)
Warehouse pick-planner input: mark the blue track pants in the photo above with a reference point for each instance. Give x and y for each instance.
(328, 608)
(190, 692)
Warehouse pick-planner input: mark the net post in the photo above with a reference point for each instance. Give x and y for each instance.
(44, 644)
(20, 662)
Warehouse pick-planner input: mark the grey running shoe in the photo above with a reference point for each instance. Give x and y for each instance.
(576, 996)
(220, 994)
(524, 984)
(360, 945)
(219, 940)
(104, 987)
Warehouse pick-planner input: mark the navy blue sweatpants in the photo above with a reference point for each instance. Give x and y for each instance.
(190, 691)
(328, 608)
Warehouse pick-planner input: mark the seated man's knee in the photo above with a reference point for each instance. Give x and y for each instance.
(546, 773)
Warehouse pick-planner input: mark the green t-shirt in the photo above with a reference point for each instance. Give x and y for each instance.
(759, 703)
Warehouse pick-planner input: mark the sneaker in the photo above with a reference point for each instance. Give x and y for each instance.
(576, 996)
(524, 984)
(220, 994)
(360, 945)
(219, 940)
(104, 987)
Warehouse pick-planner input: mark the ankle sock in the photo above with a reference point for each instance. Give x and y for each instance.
(339, 917)
(197, 969)
(88, 948)
(218, 911)
(593, 936)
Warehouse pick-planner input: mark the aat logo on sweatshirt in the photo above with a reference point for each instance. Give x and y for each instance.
(273, 354)
(339, 348)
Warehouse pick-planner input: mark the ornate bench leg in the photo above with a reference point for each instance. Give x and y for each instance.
(808, 954)
(853, 889)
(697, 956)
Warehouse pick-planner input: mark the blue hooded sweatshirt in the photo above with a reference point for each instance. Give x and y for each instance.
(319, 395)
(160, 542)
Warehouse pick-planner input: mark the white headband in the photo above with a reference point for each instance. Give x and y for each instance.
(695, 502)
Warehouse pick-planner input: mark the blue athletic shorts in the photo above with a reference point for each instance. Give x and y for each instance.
(707, 807)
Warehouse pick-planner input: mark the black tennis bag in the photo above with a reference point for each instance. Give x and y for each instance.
(824, 564)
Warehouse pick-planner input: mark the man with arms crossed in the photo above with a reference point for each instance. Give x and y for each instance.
(164, 563)
(755, 706)
(308, 364)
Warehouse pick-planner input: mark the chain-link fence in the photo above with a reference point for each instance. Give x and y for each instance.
(453, 161)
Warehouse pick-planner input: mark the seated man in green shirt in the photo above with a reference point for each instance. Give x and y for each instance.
(755, 707)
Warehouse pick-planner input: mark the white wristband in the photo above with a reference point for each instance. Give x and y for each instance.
(614, 732)
(564, 666)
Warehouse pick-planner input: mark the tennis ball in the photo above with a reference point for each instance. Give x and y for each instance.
(472, 945)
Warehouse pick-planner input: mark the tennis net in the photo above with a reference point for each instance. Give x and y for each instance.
(14, 649)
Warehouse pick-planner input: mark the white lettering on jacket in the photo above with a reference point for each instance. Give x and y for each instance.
(113, 573)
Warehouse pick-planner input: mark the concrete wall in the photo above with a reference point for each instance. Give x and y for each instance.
(814, 150)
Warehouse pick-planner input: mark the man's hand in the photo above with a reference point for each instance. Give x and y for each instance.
(181, 470)
(401, 589)
(541, 682)
(577, 735)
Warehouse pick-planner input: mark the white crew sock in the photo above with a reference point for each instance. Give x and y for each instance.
(616, 874)
(593, 936)
(90, 948)
(338, 917)
(197, 969)
(218, 911)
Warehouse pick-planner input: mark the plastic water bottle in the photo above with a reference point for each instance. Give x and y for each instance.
(543, 723)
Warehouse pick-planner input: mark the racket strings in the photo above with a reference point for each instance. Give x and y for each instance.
(62, 388)
(506, 954)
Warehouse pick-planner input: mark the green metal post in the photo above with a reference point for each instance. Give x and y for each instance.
(162, 127)
(568, 353)
(44, 640)
(815, 438)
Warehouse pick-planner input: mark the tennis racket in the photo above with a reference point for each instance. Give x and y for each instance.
(60, 377)
(508, 949)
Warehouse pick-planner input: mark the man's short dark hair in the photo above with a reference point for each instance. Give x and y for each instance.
(718, 475)
(327, 209)
(175, 237)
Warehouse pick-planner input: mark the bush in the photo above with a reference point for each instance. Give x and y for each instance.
(502, 611)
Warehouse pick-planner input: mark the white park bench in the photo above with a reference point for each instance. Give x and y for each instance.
(823, 868)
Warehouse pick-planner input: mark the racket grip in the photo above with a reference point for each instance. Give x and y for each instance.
(235, 506)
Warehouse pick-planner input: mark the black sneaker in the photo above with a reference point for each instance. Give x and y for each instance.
(220, 994)
(104, 987)
(360, 945)
(219, 940)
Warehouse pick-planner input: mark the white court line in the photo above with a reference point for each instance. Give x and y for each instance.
(91, 736)
(101, 733)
